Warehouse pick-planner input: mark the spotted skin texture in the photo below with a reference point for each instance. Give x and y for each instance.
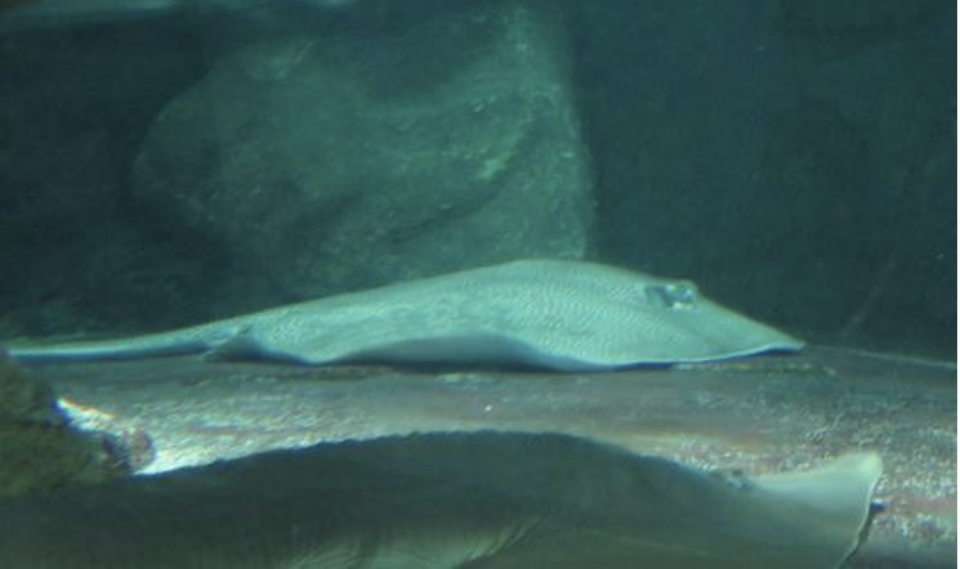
(565, 316)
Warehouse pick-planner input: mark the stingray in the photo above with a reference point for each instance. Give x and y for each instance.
(481, 500)
(560, 315)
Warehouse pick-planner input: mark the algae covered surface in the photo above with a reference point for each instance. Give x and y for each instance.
(39, 447)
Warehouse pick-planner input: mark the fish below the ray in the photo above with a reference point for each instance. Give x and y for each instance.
(481, 500)
(560, 315)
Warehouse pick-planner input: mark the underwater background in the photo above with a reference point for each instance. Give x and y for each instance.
(796, 159)
(172, 162)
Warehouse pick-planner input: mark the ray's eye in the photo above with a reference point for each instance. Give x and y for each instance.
(675, 296)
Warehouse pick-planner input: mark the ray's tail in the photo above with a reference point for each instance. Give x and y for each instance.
(194, 340)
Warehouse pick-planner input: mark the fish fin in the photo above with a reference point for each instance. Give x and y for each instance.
(835, 498)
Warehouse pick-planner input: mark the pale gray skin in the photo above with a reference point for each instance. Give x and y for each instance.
(446, 501)
(562, 315)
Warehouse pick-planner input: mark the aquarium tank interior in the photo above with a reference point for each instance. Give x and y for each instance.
(478, 284)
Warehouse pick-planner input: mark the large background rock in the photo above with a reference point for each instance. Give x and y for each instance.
(796, 158)
(336, 163)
